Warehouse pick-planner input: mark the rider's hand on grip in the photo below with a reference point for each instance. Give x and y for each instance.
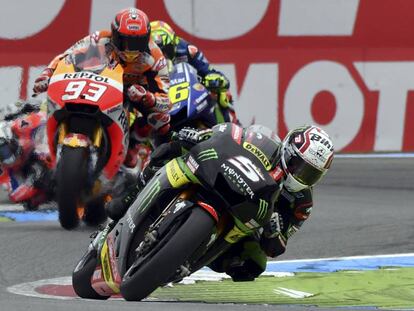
(42, 82)
(188, 134)
(138, 94)
(193, 136)
(275, 226)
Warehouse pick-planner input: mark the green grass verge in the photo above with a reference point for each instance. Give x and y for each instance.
(4, 219)
(383, 288)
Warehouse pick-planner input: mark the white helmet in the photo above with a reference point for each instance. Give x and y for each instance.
(307, 154)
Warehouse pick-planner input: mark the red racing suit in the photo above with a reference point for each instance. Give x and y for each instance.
(149, 70)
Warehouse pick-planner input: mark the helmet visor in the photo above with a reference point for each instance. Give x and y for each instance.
(130, 43)
(301, 170)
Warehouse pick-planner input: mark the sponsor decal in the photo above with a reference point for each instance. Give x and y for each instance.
(234, 235)
(236, 133)
(177, 81)
(263, 205)
(124, 121)
(208, 154)
(86, 75)
(106, 269)
(192, 164)
(201, 106)
(235, 177)
(149, 193)
(175, 175)
(277, 173)
(198, 86)
(298, 139)
(178, 206)
(258, 154)
(130, 222)
(322, 140)
(114, 109)
(202, 97)
(222, 128)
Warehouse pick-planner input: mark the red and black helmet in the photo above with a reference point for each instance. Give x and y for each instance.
(131, 31)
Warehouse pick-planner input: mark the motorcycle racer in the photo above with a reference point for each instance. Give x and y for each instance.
(296, 164)
(146, 79)
(23, 161)
(178, 50)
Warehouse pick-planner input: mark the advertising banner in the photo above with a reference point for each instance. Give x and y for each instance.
(345, 65)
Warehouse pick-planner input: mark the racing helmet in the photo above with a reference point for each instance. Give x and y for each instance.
(9, 151)
(164, 36)
(307, 154)
(264, 143)
(130, 33)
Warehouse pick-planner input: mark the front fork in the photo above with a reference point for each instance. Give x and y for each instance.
(78, 140)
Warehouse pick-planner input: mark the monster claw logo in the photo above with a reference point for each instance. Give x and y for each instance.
(208, 154)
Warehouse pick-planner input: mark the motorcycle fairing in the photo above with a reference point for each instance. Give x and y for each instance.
(105, 91)
(190, 99)
(106, 279)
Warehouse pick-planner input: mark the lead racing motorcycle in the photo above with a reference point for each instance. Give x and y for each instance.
(190, 212)
(87, 130)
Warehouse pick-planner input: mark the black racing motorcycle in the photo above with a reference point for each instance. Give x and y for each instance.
(190, 212)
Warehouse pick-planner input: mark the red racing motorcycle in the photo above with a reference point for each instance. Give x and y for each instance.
(88, 132)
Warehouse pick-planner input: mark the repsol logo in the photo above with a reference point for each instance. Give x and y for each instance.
(322, 140)
(86, 75)
(124, 121)
(259, 154)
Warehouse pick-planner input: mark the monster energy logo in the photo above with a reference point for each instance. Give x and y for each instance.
(151, 192)
(208, 154)
(262, 209)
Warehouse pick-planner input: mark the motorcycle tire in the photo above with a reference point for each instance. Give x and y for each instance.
(71, 174)
(81, 278)
(175, 248)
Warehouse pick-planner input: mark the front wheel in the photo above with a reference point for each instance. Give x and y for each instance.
(71, 176)
(173, 250)
(81, 277)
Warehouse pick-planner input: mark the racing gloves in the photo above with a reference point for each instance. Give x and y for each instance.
(138, 94)
(42, 82)
(218, 84)
(193, 136)
(273, 241)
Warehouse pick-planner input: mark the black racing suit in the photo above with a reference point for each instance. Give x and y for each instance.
(246, 259)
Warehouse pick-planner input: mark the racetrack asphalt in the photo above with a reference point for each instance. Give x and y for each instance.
(362, 207)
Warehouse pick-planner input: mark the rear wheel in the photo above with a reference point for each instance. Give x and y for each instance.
(71, 176)
(170, 252)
